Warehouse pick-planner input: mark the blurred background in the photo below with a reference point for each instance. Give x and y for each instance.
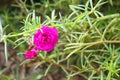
(13, 12)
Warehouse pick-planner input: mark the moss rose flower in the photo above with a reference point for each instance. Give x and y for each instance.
(45, 39)
(31, 54)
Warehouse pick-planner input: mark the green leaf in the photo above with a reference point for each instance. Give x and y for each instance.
(6, 50)
(1, 31)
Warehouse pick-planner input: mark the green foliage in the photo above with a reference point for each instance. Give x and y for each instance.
(88, 44)
(3, 77)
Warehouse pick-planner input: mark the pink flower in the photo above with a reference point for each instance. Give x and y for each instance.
(31, 54)
(46, 38)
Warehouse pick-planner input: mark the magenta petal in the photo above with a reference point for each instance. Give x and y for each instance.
(31, 54)
(46, 38)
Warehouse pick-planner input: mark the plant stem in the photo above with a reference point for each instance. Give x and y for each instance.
(108, 17)
(93, 43)
(62, 66)
(19, 34)
(101, 42)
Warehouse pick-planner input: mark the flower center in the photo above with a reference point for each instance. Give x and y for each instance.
(45, 39)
